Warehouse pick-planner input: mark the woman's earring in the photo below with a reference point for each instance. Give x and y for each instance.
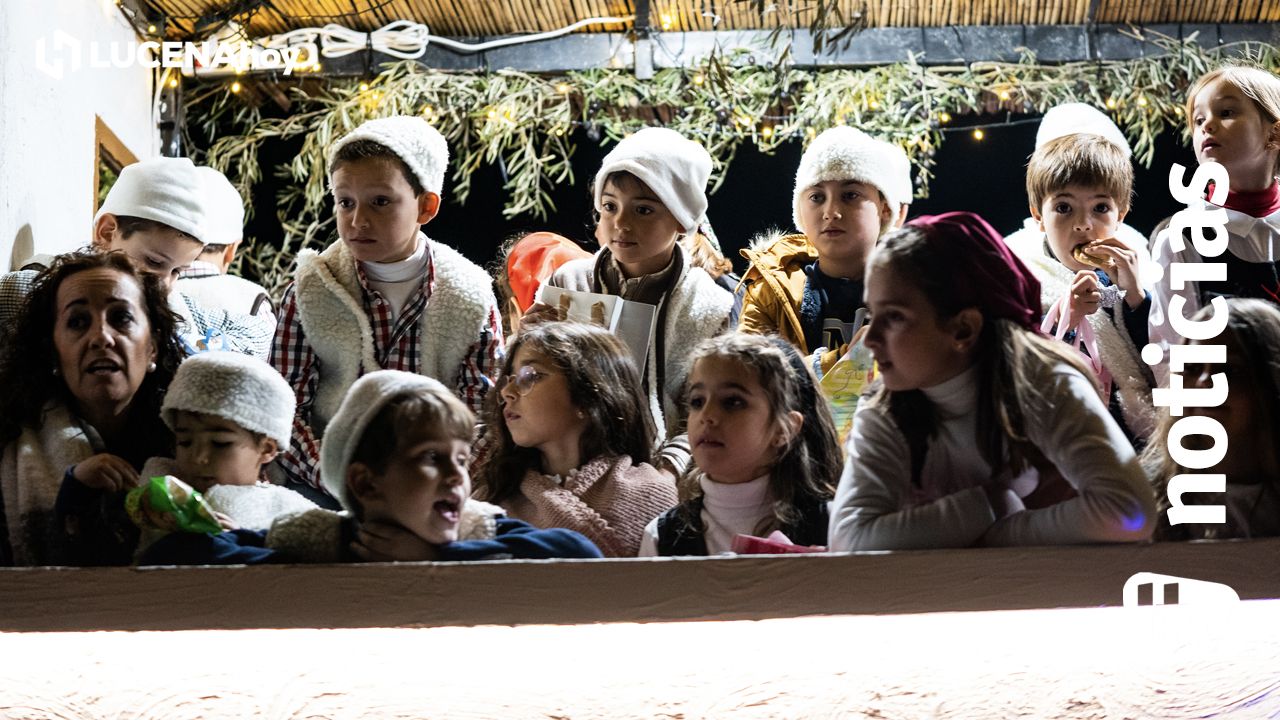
(56, 371)
(151, 367)
(581, 415)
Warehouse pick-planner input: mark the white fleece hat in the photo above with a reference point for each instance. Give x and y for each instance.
(364, 400)
(845, 153)
(412, 139)
(674, 167)
(905, 192)
(243, 389)
(165, 190)
(224, 208)
(1073, 118)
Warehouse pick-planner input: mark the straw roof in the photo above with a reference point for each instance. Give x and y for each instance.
(503, 17)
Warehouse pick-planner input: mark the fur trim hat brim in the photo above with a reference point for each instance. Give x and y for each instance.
(848, 154)
(674, 167)
(165, 190)
(412, 139)
(243, 389)
(364, 400)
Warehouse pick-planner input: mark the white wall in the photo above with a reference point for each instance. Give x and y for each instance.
(47, 145)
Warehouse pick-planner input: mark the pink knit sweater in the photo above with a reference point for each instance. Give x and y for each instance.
(608, 499)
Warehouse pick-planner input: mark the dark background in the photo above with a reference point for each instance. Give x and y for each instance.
(981, 176)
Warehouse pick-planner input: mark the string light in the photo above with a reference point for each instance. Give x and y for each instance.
(151, 29)
(873, 104)
(173, 82)
(666, 21)
(698, 79)
(235, 86)
(364, 87)
(766, 132)
(1142, 100)
(1004, 94)
(978, 134)
(1111, 103)
(944, 117)
(563, 88)
(492, 114)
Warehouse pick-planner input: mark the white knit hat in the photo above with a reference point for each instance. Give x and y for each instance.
(224, 208)
(1074, 118)
(364, 400)
(845, 153)
(412, 139)
(901, 172)
(674, 167)
(165, 190)
(243, 389)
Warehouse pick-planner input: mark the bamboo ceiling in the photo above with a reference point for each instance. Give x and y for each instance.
(503, 17)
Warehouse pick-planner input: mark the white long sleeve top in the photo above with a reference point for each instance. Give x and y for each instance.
(877, 508)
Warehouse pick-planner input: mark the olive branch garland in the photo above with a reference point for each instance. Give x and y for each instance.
(525, 123)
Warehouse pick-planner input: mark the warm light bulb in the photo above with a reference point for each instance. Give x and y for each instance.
(492, 114)
(944, 117)
(874, 105)
(1111, 103)
(173, 82)
(666, 22)
(766, 132)
(563, 88)
(978, 134)
(1142, 100)
(364, 87)
(151, 29)
(698, 79)
(235, 86)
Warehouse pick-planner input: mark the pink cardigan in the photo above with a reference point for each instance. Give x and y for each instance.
(608, 499)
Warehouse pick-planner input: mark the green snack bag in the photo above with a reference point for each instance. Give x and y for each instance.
(167, 503)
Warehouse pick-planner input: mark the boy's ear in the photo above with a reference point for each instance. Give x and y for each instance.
(267, 450)
(966, 327)
(104, 231)
(428, 206)
(362, 482)
(1035, 215)
(228, 256)
(1121, 215)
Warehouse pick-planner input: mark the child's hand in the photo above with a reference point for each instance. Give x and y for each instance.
(380, 542)
(542, 312)
(225, 521)
(1125, 272)
(1086, 298)
(105, 471)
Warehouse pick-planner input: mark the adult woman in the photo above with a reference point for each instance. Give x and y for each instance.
(92, 353)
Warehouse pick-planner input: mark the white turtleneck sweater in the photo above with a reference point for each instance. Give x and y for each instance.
(397, 281)
(878, 508)
(727, 510)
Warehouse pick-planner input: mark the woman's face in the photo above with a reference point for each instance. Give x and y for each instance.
(102, 337)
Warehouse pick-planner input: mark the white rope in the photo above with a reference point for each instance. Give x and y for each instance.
(404, 39)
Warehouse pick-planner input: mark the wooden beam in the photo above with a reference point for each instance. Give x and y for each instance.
(603, 591)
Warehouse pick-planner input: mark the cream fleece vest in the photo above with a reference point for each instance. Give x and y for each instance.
(331, 311)
(1119, 355)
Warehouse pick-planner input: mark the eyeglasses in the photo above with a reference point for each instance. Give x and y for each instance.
(523, 379)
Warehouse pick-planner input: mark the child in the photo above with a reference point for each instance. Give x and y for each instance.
(230, 415)
(526, 261)
(1249, 417)
(158, 215)
(569, 439)
(382, 295)
(975, 409)
(1078, 187)
(807, 288)
(765, 446)
(1234, 114)
(649, 192)
(1062, 120)
(207, 279)
(397, 461)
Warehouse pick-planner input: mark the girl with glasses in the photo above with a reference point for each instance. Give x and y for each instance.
(570, 438)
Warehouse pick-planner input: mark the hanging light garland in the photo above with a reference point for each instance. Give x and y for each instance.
(524, 121)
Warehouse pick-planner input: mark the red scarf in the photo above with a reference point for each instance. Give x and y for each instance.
(1259, 203)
